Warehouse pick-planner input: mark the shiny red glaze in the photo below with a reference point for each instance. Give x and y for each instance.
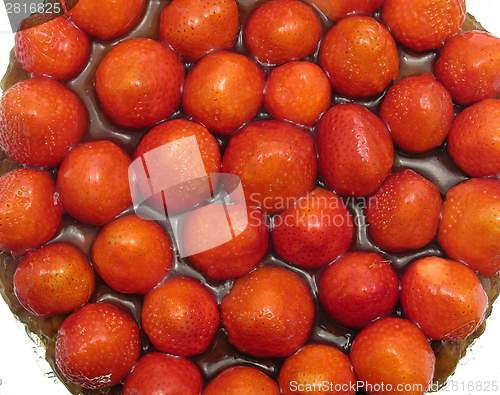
(336, 9)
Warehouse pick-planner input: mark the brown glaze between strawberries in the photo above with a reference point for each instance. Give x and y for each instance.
(435, 165)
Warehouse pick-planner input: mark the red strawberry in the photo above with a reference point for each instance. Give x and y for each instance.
(469, 67)
(298, 92)
(358, 288)
(139, 83)
(194, 28)
(132, 254)
(473, 141)
(338, 8)
(180, 176)
(444, 298)
(282, 30)
(180, 316)
(56, 279)
(40, 121)
(268, 313)
(360, 56)
(404, 213)
(54, 47)
(93, 182)
(97, 346)
(317, 369)
(241, 380)
(223, 91)
(275, 161)
(30, 213)
(355, 150)
(393, 356)
(106, 19)
(314, 231)
(158, 373)
(418, 112)
(422, 25)
(230, 241)
(468, 230)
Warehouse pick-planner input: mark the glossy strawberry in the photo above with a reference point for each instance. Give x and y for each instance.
(30, 213)
(422, 25)
(298, 92)
(444, 298)
(54, 47)
(393, 352)
(163, 374)
(418, 112)
(180, 316)
(473, 142)
(467, 230)
(40, 121)
(132, 254)
(317, 369)
(268, 313)
(182, 161)
(275, 161)
(105, 19)
(139, 82)
(194, 28)
(469, 67)
(223, 91)
(358, 288)
(282, 30)
(404, 213)
(97, 346)
(93, 182)
(229, 241)
(337, 9)
(360, 56)
(240, 380)
(314, 231)
(355, 150)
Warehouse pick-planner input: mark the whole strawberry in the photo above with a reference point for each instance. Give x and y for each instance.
(393, 356)
(360, 56)
(314, 231)
(422, 25)
(473, 139)
(223, 91)
(180, 316)
(404, 213)
(355, 150)
(139, 82)
(54, 47)
(93, 182)
(298, 92)
(240, 380)
(194, 28)
(268, 313)
(358, 288)
(282, 30)
(276, 162)
(468, 230)
(339, 8)
(132, 255)
(40, 121)
(418, 112)
(469, 67)
(30, 213)
(105, 19)
(323, 368)
(443, 297)
(225, 241)
(55, 279)
(97, 346)
(163, 374)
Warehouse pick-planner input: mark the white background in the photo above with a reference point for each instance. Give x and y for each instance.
(23, 369)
